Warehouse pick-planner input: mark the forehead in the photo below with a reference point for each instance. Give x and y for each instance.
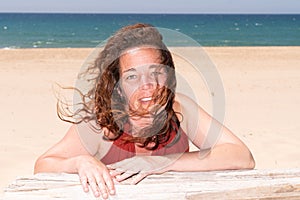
(141, 56)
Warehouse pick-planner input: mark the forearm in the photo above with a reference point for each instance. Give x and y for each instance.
(222, 157)
(56, 164)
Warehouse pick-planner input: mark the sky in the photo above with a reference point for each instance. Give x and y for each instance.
(153, 6)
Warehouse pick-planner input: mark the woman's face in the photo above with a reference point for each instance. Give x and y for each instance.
(141, 75)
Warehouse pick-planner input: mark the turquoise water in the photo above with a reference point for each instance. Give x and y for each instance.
(88, 30)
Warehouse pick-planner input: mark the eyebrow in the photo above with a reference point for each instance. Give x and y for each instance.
(129, 70)
(150, 66)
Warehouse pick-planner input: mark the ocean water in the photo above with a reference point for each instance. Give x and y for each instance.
(88, 30)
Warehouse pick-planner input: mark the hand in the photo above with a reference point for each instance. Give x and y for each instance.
(94, 173)
(135, 169)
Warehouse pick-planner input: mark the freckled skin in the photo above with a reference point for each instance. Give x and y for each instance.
(138, 75)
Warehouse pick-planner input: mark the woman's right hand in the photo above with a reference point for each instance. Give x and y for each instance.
(94, 173)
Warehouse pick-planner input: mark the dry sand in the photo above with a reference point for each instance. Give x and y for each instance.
(262, 88)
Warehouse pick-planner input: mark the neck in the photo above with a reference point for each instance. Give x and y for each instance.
(138, 123)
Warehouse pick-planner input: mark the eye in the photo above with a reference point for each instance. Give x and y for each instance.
(156, 73)
(131, 77)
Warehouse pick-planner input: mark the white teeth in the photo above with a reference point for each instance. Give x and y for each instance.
(146, 99)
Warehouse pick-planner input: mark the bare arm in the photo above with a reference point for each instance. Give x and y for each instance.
(63, 156)
(219, 148)
(70, 156)
(221, 157)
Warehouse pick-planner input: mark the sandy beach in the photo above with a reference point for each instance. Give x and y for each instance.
(262, 90)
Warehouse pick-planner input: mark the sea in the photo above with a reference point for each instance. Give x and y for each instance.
(44, 30)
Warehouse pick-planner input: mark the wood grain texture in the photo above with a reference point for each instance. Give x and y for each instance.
(248, 184)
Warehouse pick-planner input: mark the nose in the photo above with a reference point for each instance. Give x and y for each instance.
(147, 82)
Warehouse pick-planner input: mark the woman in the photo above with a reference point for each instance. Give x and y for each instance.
(134, 125)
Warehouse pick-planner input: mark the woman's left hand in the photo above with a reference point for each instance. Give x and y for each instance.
(133, 170)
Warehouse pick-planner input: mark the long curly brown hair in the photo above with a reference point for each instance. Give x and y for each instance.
(106, 104)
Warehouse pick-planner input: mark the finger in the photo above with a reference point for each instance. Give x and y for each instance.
(94, 186)
(137, 178)
(102, 187)
(84, 183)
(111, 167)
(125, 175)
(114, 173)
(109, 183)
(115, 181)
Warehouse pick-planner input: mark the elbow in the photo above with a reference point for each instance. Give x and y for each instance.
(250, 161)
(40, 165)
(246, 161)
(37, 166)
(239, 158)
(247, 164)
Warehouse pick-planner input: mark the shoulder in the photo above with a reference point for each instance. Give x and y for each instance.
(186, 107)
(91, 136)
(193, 119)
(181, 109)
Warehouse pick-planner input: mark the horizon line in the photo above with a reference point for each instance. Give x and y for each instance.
(154, 13)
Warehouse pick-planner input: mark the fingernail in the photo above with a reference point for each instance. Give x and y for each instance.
(105, 196)
(112, 192)
(97, 194)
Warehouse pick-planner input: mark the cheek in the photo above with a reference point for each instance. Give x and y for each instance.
(162, 81)
(129, 90)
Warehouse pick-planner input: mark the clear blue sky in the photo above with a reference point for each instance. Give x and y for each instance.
(152, 6)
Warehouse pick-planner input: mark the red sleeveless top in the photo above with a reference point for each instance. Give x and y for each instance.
(121, 150)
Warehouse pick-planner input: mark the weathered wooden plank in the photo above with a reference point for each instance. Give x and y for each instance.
(280, 191)
(248, 184)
